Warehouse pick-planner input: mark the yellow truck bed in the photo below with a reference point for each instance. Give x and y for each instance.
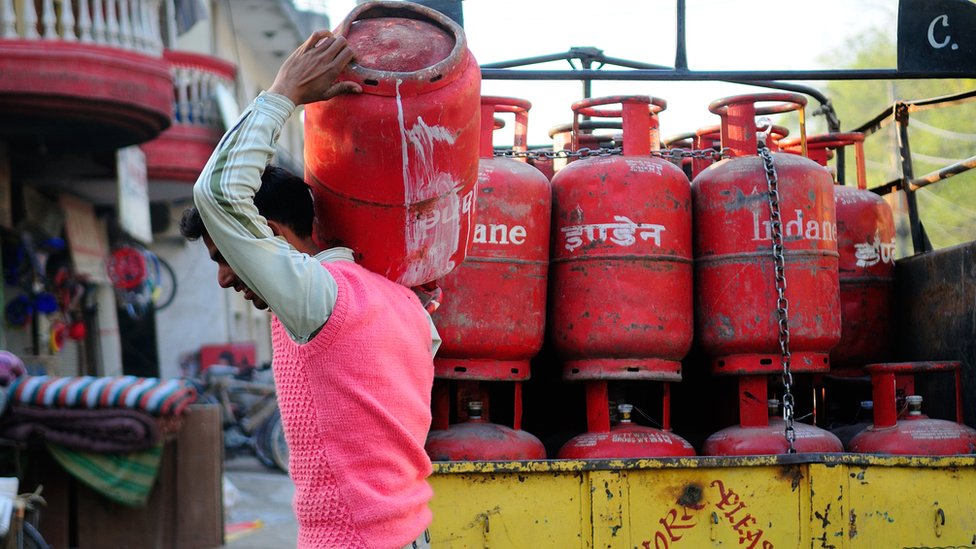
(818, 501)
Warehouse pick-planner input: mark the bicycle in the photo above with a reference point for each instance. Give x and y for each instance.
(252, 422)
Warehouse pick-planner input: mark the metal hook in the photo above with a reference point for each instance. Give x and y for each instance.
(763, 134)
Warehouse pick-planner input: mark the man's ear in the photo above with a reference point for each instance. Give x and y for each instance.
(276, 228)
(284, 231)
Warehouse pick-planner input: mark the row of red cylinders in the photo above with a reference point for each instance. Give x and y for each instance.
(609, 298)
(621, 285)
(758, 432)
(605, 256)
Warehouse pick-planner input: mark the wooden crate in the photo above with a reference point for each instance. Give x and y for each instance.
(184, 511)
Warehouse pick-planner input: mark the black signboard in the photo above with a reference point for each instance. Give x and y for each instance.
(937, 35)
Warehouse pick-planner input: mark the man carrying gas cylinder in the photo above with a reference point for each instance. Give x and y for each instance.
(353, 351)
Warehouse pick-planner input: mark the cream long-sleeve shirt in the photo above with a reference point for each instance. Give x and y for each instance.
(294, 285)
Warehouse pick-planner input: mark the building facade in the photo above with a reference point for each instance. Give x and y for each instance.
(108, 111)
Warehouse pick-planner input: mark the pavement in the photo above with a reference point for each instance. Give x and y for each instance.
(257, 506)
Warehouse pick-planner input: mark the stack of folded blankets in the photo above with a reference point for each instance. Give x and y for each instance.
(106, 431)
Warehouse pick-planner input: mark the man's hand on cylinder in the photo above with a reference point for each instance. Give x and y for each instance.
(309, 74)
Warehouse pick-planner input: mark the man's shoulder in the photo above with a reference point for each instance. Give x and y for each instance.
(332, 255)
(351, 269)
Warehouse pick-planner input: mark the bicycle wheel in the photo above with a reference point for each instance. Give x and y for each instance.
(165, 291)
(31, 538)
(262, 443)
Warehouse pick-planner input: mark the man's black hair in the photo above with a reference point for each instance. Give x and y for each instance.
(283, 197)
(191, 226)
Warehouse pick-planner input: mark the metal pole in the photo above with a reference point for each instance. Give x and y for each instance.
(489, 73)
(680, 52)
(841, 166)
(907, 174)
(944, 173)
(587, 63)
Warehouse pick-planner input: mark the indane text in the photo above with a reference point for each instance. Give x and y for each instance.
(869, 254)
(810, 230)
(499, 233)
(447, 212)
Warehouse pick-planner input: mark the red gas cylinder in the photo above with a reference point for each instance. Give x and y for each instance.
(393, 169)
(761, 432)
(866, 243)
(478, 440)
(621, 274)
(913, 433)
(626, 440)
(736, 305)
(492, 316)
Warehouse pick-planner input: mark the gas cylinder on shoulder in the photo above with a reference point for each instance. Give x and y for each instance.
(393, 168)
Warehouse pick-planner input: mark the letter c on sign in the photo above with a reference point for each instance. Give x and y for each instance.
(944, 19)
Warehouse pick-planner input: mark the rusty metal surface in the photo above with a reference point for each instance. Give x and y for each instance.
(805, 500)
(934, 307)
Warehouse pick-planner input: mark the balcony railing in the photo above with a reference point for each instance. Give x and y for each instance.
(126, 24)
(83, 74)
(196, 79)
(176, 157)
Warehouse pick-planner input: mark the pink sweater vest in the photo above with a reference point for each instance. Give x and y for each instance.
(355, 405)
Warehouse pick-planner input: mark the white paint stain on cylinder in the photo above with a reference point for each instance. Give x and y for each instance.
(432, 237)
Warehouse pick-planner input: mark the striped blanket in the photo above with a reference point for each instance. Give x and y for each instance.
(126, 478)
(148, 394)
